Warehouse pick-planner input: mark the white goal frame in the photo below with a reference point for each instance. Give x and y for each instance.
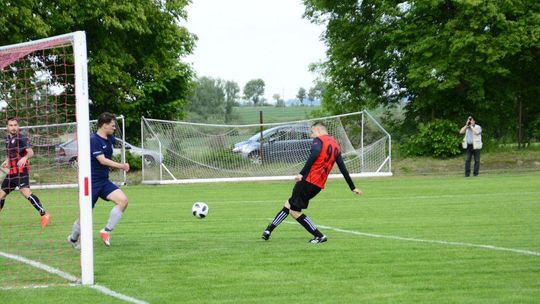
(78, 42)
(164, 171)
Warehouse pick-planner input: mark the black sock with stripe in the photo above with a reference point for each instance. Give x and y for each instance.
(282, 215)
(34, 200)
(309, 225)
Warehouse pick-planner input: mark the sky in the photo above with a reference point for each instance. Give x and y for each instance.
(242, 40)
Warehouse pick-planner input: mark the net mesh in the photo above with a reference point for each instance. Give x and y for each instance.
(37, 86)
(192, 151)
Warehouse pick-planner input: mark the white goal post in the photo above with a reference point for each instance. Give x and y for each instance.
(196, 152)
(45, 83)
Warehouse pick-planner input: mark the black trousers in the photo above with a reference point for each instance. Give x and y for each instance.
(469, 155)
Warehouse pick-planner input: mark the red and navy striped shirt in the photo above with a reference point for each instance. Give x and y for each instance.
(16, 149)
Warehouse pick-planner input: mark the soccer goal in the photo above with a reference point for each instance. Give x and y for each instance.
(43, 84)
(195, 152)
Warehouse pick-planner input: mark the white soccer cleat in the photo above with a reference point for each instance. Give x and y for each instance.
(76, 244)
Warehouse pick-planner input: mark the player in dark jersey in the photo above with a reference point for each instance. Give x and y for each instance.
(325, 151)
(18, 152)
(101, 149)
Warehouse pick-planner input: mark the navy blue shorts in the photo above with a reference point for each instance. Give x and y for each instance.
(13, 181)
(102, 189)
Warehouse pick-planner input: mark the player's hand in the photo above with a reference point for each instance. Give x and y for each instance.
(22, 162)
(357, 191)
(125, 167)
(298, 177)
(5, 164)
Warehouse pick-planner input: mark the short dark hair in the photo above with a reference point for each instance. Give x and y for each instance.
(11, 118)
(105, 118)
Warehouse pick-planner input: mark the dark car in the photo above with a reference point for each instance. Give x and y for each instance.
(287, 143)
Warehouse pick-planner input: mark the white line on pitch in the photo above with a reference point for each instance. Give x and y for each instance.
(408, 239)
(71, 278)
(40, 286)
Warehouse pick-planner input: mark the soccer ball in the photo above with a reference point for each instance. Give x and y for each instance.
(200, 210)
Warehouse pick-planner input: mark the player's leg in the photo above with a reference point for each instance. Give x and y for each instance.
(120, 201)
(4, 192)
(2, 199)
(302, 202)
(280, 217)
(34, 200)
(309, 225)
(73, 237)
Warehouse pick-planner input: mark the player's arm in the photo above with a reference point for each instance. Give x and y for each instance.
(316, 147)
(345, 172)
(111, 163)
(25, 158)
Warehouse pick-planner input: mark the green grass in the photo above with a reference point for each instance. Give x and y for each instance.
(161, 254)
(250, 114)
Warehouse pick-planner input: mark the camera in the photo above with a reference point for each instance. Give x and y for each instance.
(469, 121)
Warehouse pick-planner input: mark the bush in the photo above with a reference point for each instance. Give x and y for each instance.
(439, 139)
(134, 161)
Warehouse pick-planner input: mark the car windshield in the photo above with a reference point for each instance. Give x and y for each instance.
(257, 136)
(280, 133)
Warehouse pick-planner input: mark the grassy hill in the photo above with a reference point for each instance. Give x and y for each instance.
(250, 115)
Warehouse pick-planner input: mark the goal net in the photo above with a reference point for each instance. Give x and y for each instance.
(43, 84)
(194, 152)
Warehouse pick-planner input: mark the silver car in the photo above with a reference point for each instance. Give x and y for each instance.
(67, 152)
(287, 143)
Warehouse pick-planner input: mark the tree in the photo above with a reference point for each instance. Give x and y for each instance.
(301, 95)
(133, 51)
(253, 90)
(448, 59)
(231, 95)
(279, 101)
(207, 100)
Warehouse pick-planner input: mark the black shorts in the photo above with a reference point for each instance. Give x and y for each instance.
(301, 194)
(13, 181)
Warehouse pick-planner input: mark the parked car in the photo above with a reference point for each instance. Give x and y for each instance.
(67, 152)
(290, 143)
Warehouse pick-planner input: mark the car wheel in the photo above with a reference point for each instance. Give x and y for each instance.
(255, 157)
(74, 163)
(149, 160)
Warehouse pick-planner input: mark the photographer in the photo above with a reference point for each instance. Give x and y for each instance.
(472, 142)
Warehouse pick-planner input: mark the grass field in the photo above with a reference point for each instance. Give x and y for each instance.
(407, 240)
(250, 115)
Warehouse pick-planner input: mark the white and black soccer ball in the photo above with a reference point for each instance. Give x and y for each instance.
(200, 210)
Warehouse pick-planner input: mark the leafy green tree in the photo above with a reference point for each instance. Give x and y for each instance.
(231, 96)
(301, 95)
(207, 100)
(448, 59)
(253, 90)
(134, 50)
(279, 101)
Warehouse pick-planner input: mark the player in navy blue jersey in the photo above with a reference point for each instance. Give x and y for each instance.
(18, 152)
(325, 151)
(101, 150)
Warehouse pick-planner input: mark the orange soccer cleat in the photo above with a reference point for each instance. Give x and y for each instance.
(105, 237)
(45, 220)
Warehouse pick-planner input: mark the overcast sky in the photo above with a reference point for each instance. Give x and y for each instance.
(242, 40)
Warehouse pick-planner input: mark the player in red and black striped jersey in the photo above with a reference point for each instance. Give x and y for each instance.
(325, 151)
(18, 152)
